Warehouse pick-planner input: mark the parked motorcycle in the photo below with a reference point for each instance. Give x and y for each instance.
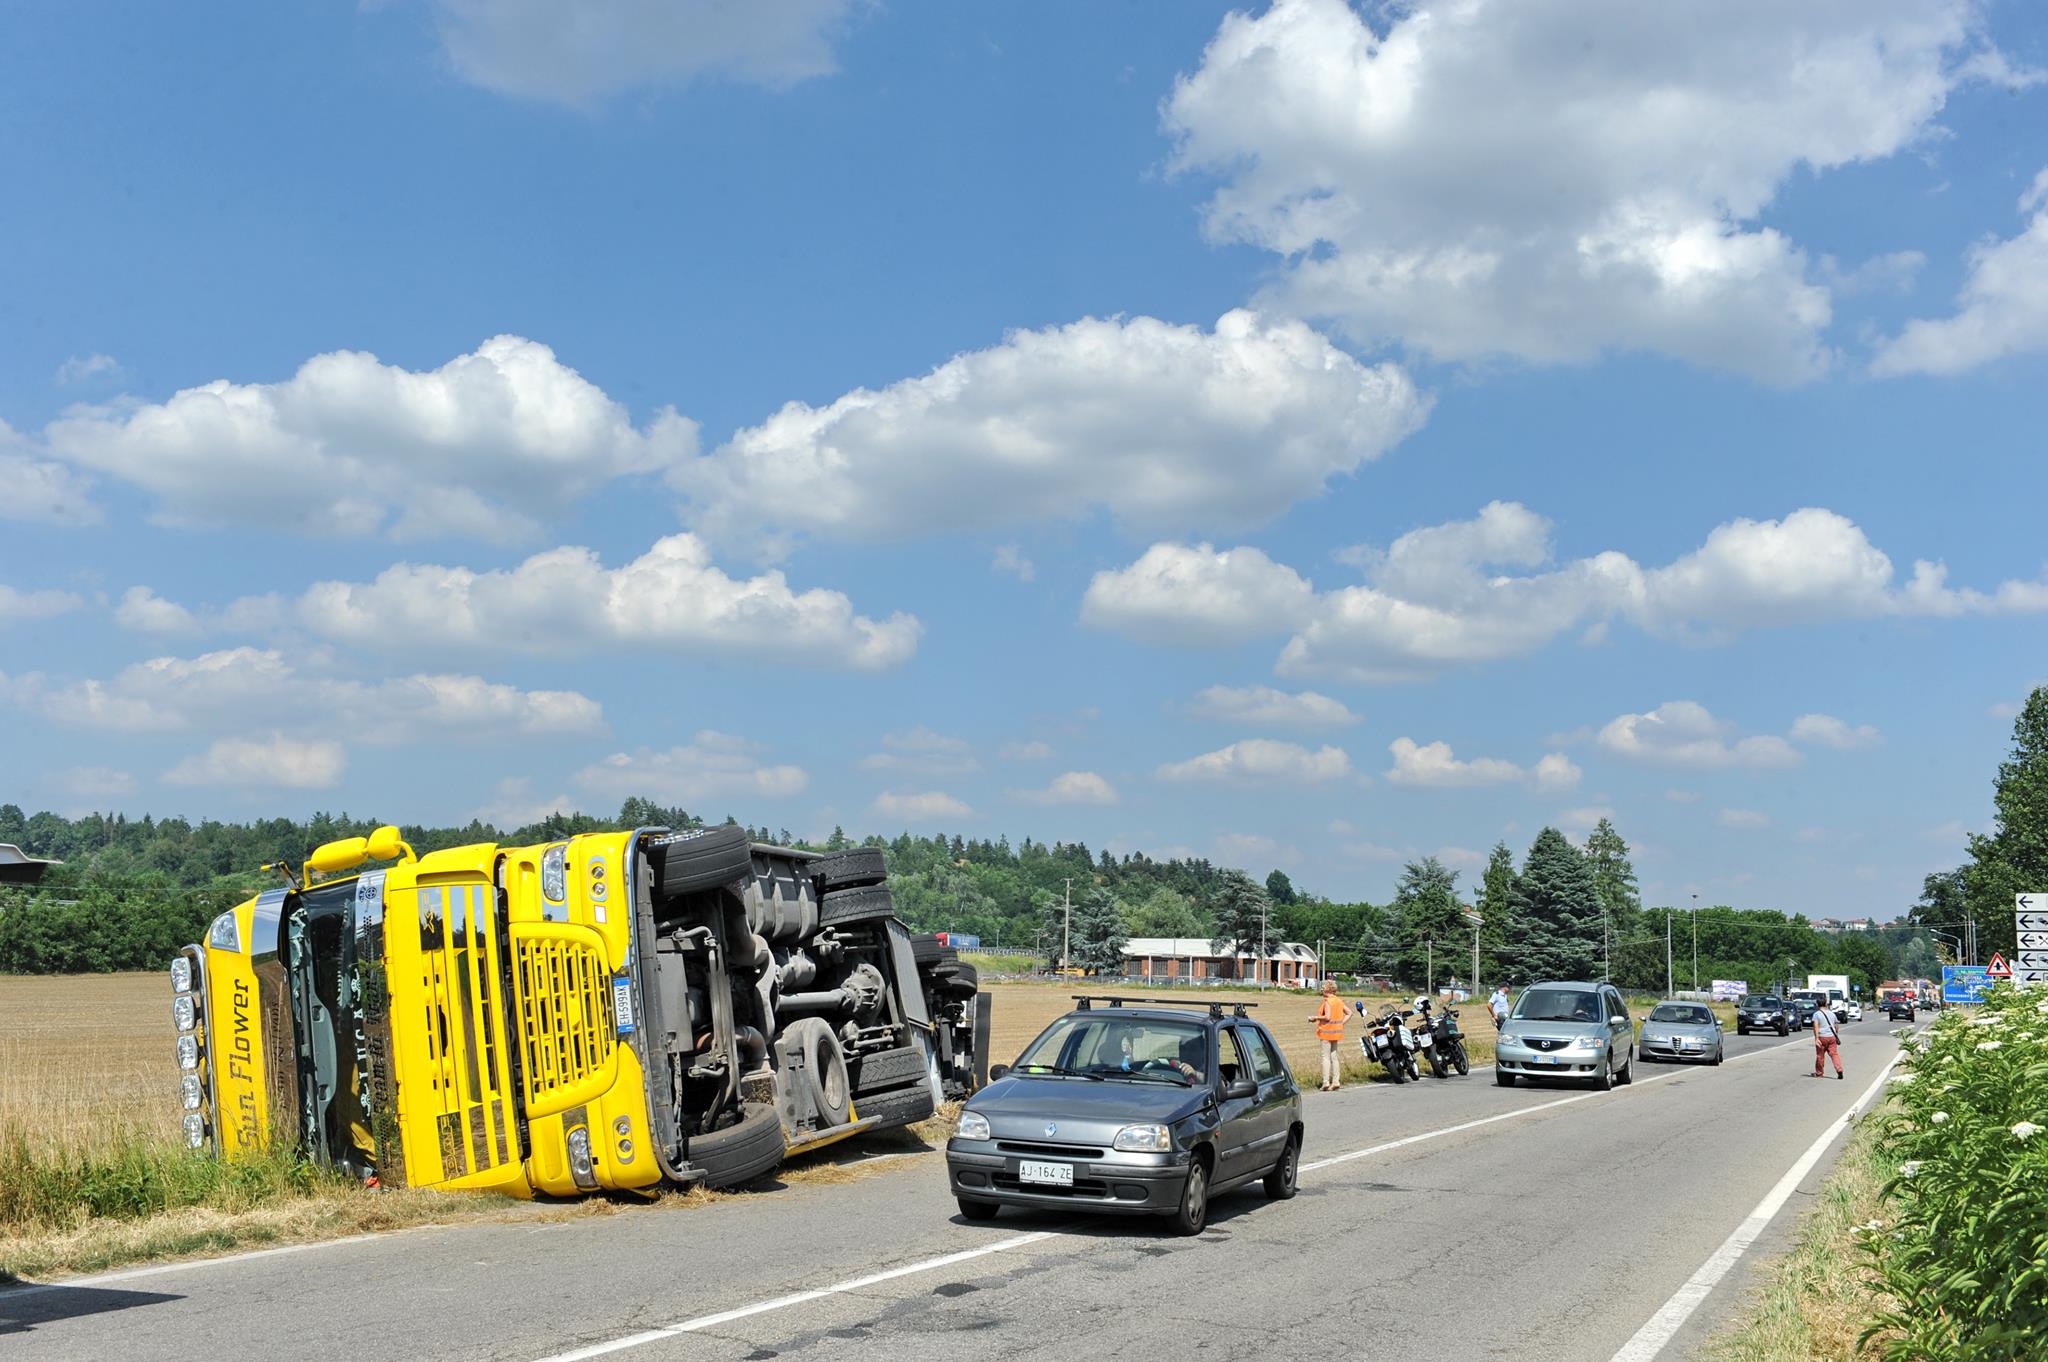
(1390, 1044)
(1447, 1047)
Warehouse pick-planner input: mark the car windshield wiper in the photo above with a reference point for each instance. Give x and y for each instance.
(1063, 1072)
(1147, 1075)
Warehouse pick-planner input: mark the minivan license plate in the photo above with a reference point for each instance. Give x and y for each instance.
(1046, 1174)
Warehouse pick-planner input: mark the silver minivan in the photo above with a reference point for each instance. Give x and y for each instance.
(1567, 1030)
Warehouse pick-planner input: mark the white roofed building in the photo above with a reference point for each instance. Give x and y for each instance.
(1188, 958)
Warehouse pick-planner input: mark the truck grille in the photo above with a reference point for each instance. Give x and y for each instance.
(565, 995)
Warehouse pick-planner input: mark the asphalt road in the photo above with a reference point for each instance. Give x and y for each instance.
(1525, 1223)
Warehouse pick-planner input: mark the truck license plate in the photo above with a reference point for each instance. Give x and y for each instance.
(1046, 1174)
(622, 1004)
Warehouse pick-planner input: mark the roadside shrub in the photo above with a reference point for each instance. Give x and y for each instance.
(1966, 1255)
(128, 1176)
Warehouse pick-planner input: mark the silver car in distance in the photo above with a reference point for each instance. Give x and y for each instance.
(1682, 1031)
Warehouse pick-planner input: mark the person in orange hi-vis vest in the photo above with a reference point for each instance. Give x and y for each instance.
(1330, 1033)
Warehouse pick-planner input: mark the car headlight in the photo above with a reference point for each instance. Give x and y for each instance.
(1143, 1140)
(1510, 1038)
(188, 1087)
(195, 1130)
(188, 1052)
(1588, 1043)
(554, 874)
(181, 974)
(184, 1012)
(973, 1126)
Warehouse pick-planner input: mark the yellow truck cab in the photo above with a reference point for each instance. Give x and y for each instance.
(609, 1011)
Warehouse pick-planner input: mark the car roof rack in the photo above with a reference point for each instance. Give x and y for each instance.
(1085, 1002)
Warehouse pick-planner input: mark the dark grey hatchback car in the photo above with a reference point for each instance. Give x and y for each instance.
(1131, 1106)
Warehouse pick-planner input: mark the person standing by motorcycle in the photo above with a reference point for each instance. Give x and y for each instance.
(1329, 1021)
(1497, 1006)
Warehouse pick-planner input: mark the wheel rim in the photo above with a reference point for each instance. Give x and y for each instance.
(1197, 1195)
(1293, 1166)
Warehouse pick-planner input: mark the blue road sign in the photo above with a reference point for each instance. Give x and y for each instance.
(1964, 983)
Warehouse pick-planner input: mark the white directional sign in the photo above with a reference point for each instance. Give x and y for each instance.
(2030, 974)
(2030, 962)
(2036, 921)
(2032, 941)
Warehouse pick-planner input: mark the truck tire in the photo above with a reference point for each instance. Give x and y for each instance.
(685, 862)
(902, 1107)
(856, 905)
(926, 948)
(741, 1152)
(855, 869)
(824, 1068)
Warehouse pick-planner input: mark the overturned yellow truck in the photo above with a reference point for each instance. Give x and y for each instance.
(610, 1011)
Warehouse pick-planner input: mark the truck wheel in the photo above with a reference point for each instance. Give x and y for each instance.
(902, 1107)
(704, 859)
(856, 905)
(855, 869)
(824, 1068)
(971, 1209)
(741, 1152)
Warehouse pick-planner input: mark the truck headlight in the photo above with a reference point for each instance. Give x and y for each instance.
(1143, 1140)
(188, 1086)
(554, 874)
(181, 974)
(579, 1157)
(226, 933)
(188, 1052)
(973, 1126)
(195, 1130)
(183, 1010)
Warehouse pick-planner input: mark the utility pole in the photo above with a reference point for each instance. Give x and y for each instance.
(1067, 941)
(1477, 923)
(1265, 961)
(1695, 941)
(1669, 986)
(1429, 969)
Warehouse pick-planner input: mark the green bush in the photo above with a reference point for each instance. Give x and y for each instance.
(1966, 1256)
(129, 1176)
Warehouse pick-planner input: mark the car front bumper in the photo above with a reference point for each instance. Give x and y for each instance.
(1667, 1050)
(1517, 1058)
(1764, 1023)
(1114, 1184)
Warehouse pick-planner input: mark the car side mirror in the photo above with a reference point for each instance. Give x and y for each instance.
(996, 1071)
(1240, 1087)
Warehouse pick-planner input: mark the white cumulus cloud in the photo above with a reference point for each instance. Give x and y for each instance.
(487, 446)
(1435, 766)
(33, 605)
(1260, 761)
(1193, 595)
(1825, 730)
(36, 488)
(711, 766)
(80, 368)
(1554, 181)
(1170, 428)
(2001, 309)
(1683, 733)
(672, 599)
(276, 762)
(1071, 787)
(1263, 706)
(578, 53)
(145, 612)
(927, 807)
(264, 687)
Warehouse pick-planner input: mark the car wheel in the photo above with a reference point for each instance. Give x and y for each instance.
(1192, 1216)
(1628, 1071)
(1280, 1183)
(1720, 1054)
(1604, 1080)
(1501, 1077)
(1742, 1030)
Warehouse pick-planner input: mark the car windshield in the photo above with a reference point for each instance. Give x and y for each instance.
(1685, 1014)
(1105, 1045)
(1558, 1005)
(1756, 1001)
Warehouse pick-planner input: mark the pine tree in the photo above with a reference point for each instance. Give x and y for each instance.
(1426, 911)
(2013, 859)
(1241, 911)
(1098, 933)
(1554, 925)
(1614, 887)
(1496, 905)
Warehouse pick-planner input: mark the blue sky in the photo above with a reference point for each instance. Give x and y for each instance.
(1306, 437)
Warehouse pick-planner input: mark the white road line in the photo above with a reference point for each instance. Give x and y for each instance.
(701, 1322)
(1659, 1329)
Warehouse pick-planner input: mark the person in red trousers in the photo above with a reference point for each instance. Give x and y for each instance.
(1827, 1041)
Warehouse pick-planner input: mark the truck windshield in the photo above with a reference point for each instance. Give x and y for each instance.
(334, 1121)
